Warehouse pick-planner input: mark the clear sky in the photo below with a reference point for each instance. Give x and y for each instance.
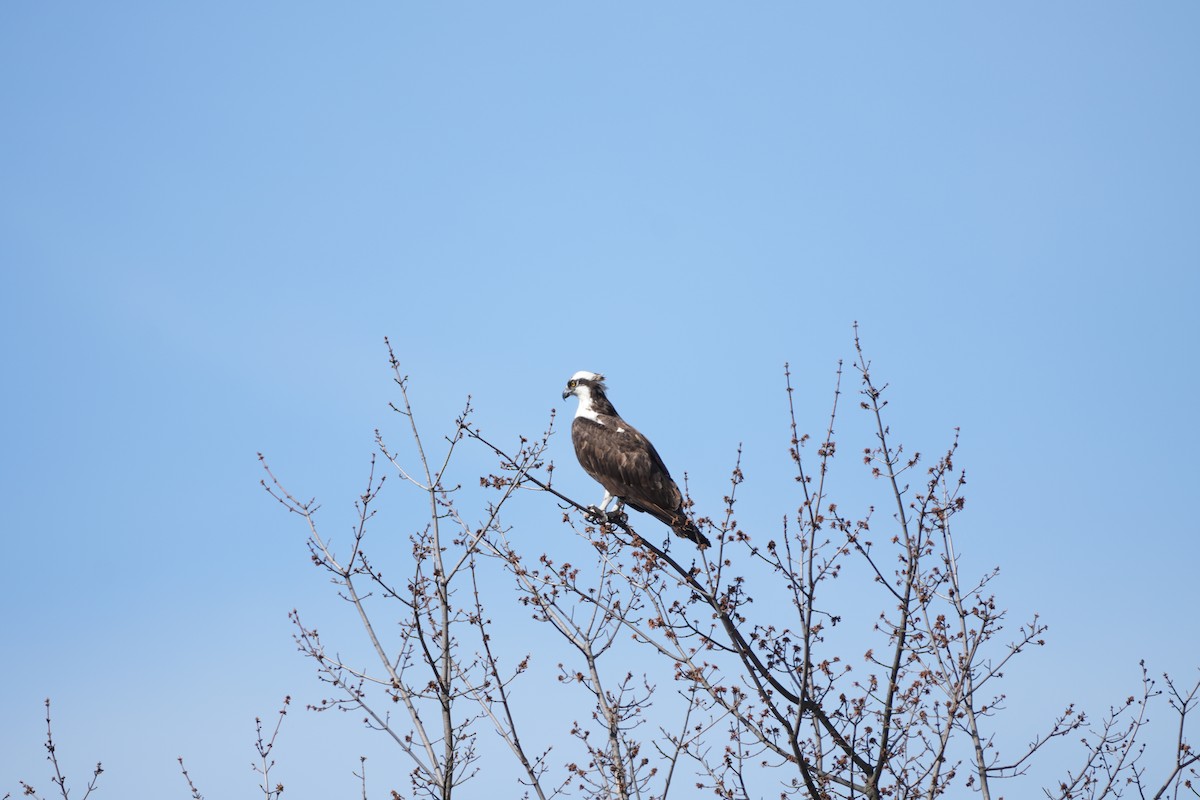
(211, 215)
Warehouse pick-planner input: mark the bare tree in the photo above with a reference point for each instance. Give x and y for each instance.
(58, 778)
(741, 670)
(745, 684)
(426, 670)
(264, 746)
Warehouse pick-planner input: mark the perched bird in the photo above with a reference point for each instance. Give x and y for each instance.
(622, 460)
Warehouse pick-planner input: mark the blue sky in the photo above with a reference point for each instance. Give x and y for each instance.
(211, 215)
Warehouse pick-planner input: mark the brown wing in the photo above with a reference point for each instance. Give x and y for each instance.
(626, 464)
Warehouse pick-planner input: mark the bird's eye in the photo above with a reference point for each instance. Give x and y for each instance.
(571, 384)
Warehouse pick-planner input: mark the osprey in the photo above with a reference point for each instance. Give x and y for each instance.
(622, 460)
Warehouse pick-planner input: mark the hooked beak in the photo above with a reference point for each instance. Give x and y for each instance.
(567, 394)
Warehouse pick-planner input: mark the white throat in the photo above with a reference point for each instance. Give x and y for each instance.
(585, 404)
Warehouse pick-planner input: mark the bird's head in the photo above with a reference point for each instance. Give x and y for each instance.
(581, 384)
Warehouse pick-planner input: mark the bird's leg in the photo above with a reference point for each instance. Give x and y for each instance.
(599, 513)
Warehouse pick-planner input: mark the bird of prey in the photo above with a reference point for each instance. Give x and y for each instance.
(623, 461)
